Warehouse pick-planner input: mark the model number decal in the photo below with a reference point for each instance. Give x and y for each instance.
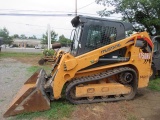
(145, 56)
(110, 48)
(144, 76)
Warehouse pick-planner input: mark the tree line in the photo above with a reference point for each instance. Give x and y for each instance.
(8, 39)
(143, 14)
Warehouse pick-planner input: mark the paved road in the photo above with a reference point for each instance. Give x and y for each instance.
(32, 50)
(21, 50)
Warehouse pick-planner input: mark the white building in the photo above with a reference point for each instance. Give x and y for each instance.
(26, 42)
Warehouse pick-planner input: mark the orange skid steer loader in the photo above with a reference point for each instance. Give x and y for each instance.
(101, 66)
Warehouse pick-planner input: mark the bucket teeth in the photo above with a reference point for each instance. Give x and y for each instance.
(31, 96)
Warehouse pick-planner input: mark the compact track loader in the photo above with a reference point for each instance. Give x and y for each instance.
(101, 66)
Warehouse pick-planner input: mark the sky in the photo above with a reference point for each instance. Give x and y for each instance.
(37, 25)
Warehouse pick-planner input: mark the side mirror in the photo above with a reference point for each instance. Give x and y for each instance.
(56, 45)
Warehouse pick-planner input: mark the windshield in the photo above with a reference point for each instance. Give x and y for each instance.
(75, 40)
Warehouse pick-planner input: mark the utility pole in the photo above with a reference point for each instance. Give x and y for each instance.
(49, 36)
(75, 7)
(0, 43)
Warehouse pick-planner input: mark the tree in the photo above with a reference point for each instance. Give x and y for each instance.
(4, 33)
(45, 37)
(64, 41)
(144, 14)
(32, 37)
(22, 36)
(15, 36)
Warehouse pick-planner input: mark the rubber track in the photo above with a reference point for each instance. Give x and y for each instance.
(97, 77)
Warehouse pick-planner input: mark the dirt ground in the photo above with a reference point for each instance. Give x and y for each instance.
(145, 106)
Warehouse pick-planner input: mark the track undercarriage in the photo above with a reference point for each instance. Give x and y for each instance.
(113, 85)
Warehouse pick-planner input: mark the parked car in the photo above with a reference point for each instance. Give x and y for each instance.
(11, 46)
(38, 47)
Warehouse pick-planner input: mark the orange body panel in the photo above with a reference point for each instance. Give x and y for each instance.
(102, 90)
(66, 71)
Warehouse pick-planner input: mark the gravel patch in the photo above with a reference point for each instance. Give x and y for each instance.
(13, 74)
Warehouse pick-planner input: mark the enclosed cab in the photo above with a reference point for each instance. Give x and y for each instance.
(92, 33)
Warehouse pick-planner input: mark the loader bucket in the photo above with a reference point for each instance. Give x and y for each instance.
(31, 96)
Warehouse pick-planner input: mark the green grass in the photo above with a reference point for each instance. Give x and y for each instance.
(155, 84)
(18, 54)
(131, 117)
(1, 100)
(32, 69)
(59, 109)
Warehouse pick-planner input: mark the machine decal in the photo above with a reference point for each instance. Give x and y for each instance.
(144, 76)
(146, 57)
(110, 48)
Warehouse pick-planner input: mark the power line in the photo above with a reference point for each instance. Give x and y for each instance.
(45, 11)
(66, 13)
(33, 25)
(38, 15)
(49, 15)
(86, 5)
(15, 10)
